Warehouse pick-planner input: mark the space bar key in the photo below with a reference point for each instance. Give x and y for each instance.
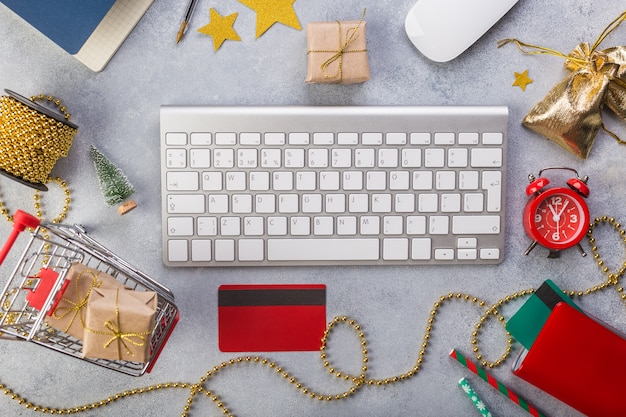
(323, 249)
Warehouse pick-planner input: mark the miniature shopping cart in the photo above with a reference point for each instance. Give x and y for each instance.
(38, 281)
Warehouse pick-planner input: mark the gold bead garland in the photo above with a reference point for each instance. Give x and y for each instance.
(4, 211)
(30, 141)
(357, 381)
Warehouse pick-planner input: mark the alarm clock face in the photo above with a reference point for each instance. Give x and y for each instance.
(557, 218)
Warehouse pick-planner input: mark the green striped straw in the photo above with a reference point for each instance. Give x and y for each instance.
(471, 394)
(511, 395)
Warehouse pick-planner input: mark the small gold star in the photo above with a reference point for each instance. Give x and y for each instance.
(522, 80)
(220, 28)
(269, 12)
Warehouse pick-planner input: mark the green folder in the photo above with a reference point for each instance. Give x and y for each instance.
(526, 324)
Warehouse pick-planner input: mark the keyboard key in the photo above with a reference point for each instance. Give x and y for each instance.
(396, 249)
(468, 138)
(323, 138)
(323, 249)
(201, 138)
(201, 250)
(364, 158)
(180, 226)
(444, 254)
(250, 138)
(282, 181)
(207, 226)
(423, 180)
(376, 180)
(421, 249)
(347, 138)
(251, 250)
(341, 158)
(212, 181)
(175, 139)
(182, 181)
(492, 181)
(434, 158)
(492, 138)
(486, 157)
(176, 158)
(225, 138)
(274, 138)
(395, 138)
(466, 254)
(299, 138)
(294, 158)
(271, 158)
(224, 250)
(253, 226)
(387, 158)
(276, 226)
(200, 158)
(346, 225)
(185, 203)
(247, 158)
(217, 203)
(177, 251)
(475, 225)
(411, 158)
(224, 158)
(444, 138)
(489, 253)
(372, 138)
(420, 138)
(329, 180)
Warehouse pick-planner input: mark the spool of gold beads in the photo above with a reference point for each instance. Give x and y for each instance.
(33, 138)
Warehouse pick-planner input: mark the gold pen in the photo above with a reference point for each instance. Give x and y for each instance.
(183, 25)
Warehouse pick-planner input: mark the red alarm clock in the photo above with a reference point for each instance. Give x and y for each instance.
(556, 218)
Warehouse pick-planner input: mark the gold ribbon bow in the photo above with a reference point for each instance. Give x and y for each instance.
(123, 339)
(352, 34)
(571, 113)
(75, 308)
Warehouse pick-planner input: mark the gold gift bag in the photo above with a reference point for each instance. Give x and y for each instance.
(570, 115)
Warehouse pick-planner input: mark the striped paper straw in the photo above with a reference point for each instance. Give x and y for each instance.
(478, 403)
(495, 384)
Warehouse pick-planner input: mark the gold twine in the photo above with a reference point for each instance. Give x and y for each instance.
(30, 141)
(75, 308)
(352, 34)
(117, 335)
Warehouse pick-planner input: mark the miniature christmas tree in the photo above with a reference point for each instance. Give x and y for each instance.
(116, 188)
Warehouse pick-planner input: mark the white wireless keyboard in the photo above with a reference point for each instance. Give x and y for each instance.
(263, 186)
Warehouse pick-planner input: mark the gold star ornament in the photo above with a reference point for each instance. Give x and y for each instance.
(269, 12)
(522, 80)
(220, 28)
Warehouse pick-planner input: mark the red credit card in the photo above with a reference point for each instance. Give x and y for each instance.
(271, 318)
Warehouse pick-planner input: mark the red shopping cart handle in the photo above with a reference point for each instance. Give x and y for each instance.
(21, 220)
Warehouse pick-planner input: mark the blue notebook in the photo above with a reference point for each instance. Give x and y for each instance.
(91, 31)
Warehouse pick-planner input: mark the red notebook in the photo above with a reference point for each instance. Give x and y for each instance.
(579, 361)
(270, 318)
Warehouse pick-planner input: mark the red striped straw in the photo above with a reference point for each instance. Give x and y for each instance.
(495, 384)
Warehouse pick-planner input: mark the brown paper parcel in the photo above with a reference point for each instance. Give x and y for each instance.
(69, 315)
(337, 52)
(119, 324)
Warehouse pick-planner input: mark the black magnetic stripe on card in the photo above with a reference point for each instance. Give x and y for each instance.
(548, 295)
(271, 297)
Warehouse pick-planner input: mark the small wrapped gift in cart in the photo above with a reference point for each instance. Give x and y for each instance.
(68, 291)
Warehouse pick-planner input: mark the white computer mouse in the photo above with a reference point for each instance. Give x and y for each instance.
(443, 29)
